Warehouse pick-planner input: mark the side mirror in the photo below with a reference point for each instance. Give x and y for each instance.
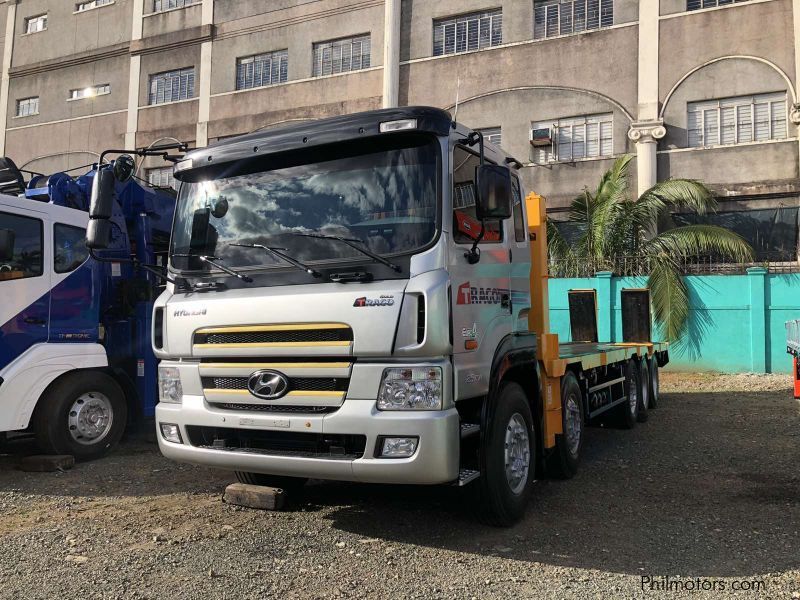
(493, 183)
(7, 237)
(98, 233)
(124, 168)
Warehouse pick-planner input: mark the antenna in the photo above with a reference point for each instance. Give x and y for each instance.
(458, 89)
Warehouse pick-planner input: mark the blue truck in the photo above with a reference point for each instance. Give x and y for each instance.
(76, 360)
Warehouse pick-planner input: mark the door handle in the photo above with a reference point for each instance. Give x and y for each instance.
(505, 301)
(35, 321)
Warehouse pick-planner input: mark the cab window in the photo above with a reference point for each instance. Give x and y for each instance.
(69, 248)
(520, 231)
(26, 260)
(466, 226)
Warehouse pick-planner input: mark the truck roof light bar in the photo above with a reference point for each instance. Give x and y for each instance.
(399, 125)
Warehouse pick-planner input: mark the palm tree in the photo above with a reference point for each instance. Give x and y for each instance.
(613, 225)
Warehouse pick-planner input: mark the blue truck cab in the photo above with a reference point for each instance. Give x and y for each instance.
(76, 361)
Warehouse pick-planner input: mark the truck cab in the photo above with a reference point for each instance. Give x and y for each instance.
(353, 301)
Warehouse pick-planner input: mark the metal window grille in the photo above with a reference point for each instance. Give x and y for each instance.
(556, 17)
(340, 56)
(466, 33)
(28, 106)
(162, 5)
(576, 138)
(161, 177)
(493, 135)
(737, 120)
(172, 86)
(262, 69)
(698, 4)
(34, 24)
(90, 92)
(81, 6)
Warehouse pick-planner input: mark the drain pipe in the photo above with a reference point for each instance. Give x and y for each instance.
(391, 54)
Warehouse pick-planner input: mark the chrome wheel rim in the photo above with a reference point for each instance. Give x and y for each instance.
(90, 418)
(633, 395)
(574, 424)
(645, 386)
(517, 453)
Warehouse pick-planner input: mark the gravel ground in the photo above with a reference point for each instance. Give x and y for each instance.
(708, 488)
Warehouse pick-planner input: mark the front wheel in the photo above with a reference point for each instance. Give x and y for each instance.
(82, 414)
(508, 456)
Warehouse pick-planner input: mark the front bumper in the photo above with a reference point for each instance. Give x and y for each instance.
(435, 460)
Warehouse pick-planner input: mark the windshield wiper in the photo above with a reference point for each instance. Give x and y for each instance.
(214, 262)
(285, 257)
(354, 245)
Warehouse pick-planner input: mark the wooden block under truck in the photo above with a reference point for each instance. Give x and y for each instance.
(364, 298)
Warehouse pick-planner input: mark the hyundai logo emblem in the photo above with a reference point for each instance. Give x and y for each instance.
(268, 385)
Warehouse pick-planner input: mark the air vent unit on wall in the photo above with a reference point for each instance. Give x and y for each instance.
(541, 137)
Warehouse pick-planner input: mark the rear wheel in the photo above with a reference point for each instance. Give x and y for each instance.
(563, 462)
(644, 390)
(83, 414)
(653, 382)
(290, 485)
(628, 411)
(508, 456)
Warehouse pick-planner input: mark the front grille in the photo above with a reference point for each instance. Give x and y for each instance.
(279, 443)
(296, 384)
(273, 337)
(274, 408)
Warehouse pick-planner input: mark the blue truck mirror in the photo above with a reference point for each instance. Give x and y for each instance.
(6, 244)
(102, 201)
(124, 168)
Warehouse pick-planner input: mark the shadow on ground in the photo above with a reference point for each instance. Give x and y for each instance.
(709, 486)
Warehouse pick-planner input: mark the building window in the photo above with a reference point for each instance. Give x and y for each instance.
(82, 6)
(573, 138)
(90, 92)
(467, 32)
(162, 5)
(262, 69)
(493, 135)
(737, 120)
(340, 56)
(28, 106)
(555, 17)
(161, 178)
(172, 86)
(34, 24)
(698, 4)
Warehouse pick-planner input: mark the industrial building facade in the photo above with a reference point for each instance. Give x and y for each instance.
(704, 89)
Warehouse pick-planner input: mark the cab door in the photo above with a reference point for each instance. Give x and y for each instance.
(24, 284)
(481, 294)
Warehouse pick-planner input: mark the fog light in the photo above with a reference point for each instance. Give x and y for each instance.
(171, 433)
(399, 447)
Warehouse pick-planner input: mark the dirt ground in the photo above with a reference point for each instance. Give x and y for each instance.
(706, 494)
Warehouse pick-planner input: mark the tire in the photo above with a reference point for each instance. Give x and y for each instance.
(644, 390)
(563, 461)
(82, 414)
(502, 498)
(291, 485)
(654, 382)
(628, 411)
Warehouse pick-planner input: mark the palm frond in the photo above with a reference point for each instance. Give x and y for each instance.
(557, 246)
(701, 240)
(669, 298)
(656, 202)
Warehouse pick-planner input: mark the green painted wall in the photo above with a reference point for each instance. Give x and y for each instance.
(736, 322)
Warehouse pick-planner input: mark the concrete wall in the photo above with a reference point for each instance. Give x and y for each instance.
(736, 322)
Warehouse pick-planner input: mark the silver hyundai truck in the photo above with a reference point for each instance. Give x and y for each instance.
(350, 300)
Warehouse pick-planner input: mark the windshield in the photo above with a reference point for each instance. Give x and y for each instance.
(385, 199)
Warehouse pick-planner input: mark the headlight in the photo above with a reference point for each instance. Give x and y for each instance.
(411, 389)
(169, 385)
